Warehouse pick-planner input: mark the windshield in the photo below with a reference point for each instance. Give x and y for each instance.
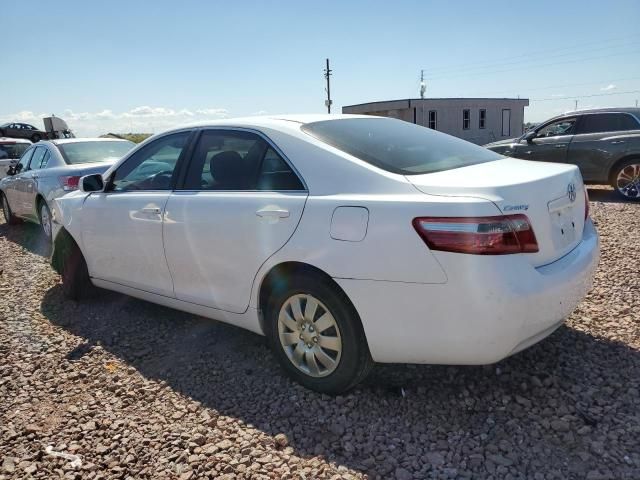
(14, 150)
(95, 151)
(397, 146)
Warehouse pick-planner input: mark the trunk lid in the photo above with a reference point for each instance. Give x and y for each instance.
(551, 195)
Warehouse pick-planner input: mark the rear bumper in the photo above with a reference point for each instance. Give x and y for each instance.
(491, 307)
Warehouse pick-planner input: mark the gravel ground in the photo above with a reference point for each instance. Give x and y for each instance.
(119, 388)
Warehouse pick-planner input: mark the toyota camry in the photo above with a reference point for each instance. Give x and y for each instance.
(345, 240)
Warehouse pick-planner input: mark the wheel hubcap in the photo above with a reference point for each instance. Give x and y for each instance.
(45, 218)
(628, 181)
(309, 335)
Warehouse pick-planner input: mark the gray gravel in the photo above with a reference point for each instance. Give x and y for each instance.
(119, 388)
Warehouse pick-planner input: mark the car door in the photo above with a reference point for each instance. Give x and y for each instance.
(14, 185)
(598, 143)
(121, 227)
(29, 183)
(240, 202)
(551, 142)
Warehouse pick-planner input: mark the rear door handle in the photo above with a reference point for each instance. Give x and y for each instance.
(152, 210)
(616, 142)
(273, 212)
(560, 145)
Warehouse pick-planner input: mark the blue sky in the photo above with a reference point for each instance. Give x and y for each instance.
(145, 66)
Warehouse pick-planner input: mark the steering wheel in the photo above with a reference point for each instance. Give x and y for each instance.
(160, 180)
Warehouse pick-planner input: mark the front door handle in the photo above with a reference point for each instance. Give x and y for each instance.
(152, 210)
(273, 212)
(616, 142)
(560, 145)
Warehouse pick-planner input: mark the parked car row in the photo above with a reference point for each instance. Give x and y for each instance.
(603, 143)
(49, 169)
(346, 240)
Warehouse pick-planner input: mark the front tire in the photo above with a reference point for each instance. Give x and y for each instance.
(316, 334)
(626, 179)
(9, 217)
(76, 283)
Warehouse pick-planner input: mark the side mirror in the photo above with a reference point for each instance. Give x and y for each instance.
(91, 183)
(530, 135)
(11, 170)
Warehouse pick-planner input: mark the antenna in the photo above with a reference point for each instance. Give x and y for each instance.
(423, 85)
(327, 74)
(576, 101)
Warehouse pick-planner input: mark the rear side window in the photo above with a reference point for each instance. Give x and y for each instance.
(12, 150)
(238, 160)
(397, 146)
(94, 151)
(607, 122)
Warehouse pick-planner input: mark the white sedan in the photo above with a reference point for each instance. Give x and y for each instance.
(346, 240)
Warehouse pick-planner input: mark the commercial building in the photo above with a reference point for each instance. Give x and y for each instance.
(477, 120)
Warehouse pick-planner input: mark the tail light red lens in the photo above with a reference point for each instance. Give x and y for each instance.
(478, 235)
(586, 204)
(69, 182)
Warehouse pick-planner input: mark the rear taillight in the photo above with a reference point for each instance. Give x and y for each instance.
(478, 235)
(586, 204)
(69, 182)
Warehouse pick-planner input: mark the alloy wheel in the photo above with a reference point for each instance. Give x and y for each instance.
(628, 181)
(45, 220)
(309, 335)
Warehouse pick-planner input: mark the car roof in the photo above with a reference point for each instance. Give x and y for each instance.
(63, 141)
(630, 110)
(269, 121)
(14, 140)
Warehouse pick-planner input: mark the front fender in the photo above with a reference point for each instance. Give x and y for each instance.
(65, 212)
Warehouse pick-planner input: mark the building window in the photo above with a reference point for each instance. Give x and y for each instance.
(466, 119)
(482, 119)
(433, 119)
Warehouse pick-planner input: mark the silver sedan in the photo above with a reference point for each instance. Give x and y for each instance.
(48, 170)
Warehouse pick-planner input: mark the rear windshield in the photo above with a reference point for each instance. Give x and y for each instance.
(94, 152)
(12, 150)
(397, 146)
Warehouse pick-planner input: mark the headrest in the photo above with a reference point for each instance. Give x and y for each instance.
(227, 169)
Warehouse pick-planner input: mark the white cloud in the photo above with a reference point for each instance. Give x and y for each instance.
(260, 112)
(557, 94)
(144, 118)
(611, 86)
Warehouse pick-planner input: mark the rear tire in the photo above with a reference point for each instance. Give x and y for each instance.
(331, 358)
(36, 138)
(76, 283)
(9, 217)
(626, 179)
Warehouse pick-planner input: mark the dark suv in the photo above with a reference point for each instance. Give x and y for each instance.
(603, 143)
(22, 130)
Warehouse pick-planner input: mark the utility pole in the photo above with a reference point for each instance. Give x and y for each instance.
(636, 103)
(576, 102)
(423, 86)
(327, 74)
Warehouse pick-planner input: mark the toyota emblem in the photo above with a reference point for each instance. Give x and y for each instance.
(571, 192)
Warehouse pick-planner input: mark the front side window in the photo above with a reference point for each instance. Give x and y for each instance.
(482, 119)
(607, 122)
(559, 127)
(12, 150)
(466, 119)
(433, 119)
(94, 151)
(152, 167)
(24, 161)
(397, 146)
(238, 160)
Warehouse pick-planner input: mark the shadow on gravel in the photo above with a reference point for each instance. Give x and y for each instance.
(561, 397)
(28, 235)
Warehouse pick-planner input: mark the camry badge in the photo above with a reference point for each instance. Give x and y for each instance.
(571, 192)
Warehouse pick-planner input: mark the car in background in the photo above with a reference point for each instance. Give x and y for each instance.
(344, 239)
(11, 149)
(22, 130)
(48, 170)
(603, 143)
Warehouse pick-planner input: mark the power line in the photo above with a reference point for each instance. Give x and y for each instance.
(583, 96)
(537, 66)
(566, 85)
(555, 50)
